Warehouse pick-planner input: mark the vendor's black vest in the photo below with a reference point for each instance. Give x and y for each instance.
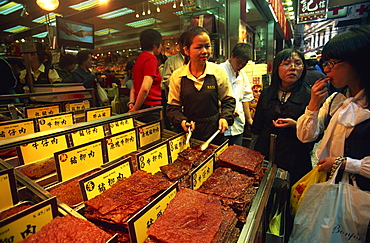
(43, 77)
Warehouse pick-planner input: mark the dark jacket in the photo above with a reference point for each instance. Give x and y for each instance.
(290, 153)
(86, 78)
(312, 75)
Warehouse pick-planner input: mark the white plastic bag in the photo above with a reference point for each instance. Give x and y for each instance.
(102, 94)
(332, 212)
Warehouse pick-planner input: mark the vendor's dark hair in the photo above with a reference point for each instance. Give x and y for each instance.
(352, 46)
(189, 37)
(150, 38)
(242, 50)
(82, 56)
(66, 60)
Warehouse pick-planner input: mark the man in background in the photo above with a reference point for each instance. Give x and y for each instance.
(312, 74)
(242, 91)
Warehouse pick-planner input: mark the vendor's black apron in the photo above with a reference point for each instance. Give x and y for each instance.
(42, 79)
(202, 107)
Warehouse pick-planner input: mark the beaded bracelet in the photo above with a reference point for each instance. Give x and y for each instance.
(338, 162)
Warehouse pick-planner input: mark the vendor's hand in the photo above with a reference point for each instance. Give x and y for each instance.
(284, 122)
(222, 125)
(319, 93)
(185, 125)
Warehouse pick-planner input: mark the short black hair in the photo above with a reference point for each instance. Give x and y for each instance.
(66, 60)
(150, 38)
(242, 50)
(82, 56)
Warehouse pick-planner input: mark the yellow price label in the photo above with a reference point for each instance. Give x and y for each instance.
(149, 134)
(16, 129)
(221, 149)
(87, 135)
(97, 183)
(78, 106)
(20, 228)
(42, 149)
(121, 126)
(95, 114)
(42, 111)
(152, 159)
(177, 145)
(139, 224)
(6, 192)
(48, 123)
(120, 145)
(202, 172)
(73, 162)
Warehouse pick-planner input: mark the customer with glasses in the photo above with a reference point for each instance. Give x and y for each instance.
(278, 108)
(344, 116)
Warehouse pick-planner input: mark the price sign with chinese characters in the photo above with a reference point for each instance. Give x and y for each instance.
(149, 133)
(139, 224)
(121, 144)
(76, 106)
(98, 113)
(177, 144)
(100, 181)
(42, 149)
(42, 111)
(121, 126)
(78, 160)
(55, 121)
(153, 158)
(16, 129)
(28, 222)
(221, 149)
(8, 188)
(202, 172)
(87, 135)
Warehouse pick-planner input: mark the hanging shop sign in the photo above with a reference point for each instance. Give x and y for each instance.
(311, 11)
(349, 12)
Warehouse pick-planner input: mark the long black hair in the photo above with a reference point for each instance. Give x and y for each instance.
(352, 46)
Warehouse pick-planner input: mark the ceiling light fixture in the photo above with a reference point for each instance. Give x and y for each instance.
(181, 3)
(48, 5)
(137, 13)
(149, 12)
(158, 9)
(25, 12)
(143, 13)
(174, 4)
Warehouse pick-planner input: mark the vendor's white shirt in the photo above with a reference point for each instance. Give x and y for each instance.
(346, 113)
(242, 92)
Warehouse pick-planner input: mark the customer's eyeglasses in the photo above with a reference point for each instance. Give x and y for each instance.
(330, 64)
(290, 64)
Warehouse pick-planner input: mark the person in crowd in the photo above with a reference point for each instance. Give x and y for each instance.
(312, 74)
(278, 108)
(67, 63)
(110, 78)
(8, 81)
(82, 73)
(17, 66)
(242, 91)
(40, 67)
(128, 78)
(146, 89)
(344, 116)
(173, 63)
(196, 90)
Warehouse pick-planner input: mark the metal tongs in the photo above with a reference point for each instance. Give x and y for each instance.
(206, 143)
(189, 135)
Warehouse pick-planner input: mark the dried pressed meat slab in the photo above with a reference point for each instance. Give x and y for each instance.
(191, 217)
(125, 198)
(69, 229)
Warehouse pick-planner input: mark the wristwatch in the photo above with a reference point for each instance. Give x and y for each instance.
(129, 103)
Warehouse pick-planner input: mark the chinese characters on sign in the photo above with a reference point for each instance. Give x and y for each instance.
(149, 134)
(121, 126)
(151, 160)
(16, 129)
(120, 145)
(42, 111)
(95, 114)
(177, 145)
(87, 135)
(47, 123)
(311, 10)
(204, 171)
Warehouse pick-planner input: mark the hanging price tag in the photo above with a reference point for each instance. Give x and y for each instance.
(42, 149)
(95, 114)
(55, 121)
(152, 159)
(78, 160)
(100, 181)
(16, 129)
(121, 126)
(177, 144)
(139, 224)
(149, 134)
(87, 135)
(121, 144)
(202, 172)
(42, 111)
(8, 188)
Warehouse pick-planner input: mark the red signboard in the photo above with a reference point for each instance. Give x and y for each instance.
(311, 10)
(277, 7)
